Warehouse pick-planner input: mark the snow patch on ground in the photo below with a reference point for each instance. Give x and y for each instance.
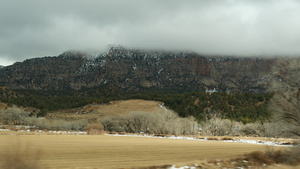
(276, 142)
(258, 142)
(45, 131)
(184, 167)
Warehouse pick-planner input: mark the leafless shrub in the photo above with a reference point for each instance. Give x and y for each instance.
(212, 139)
(109, 124)
(78, 125)
(13, 115)
(251, 129)
(274, 157)
(134, 122)
(226, 138)
(260, 159)
(215, 125)
(30, 121)
(155, 167)
(188, 126)
(260, 129)
(232, 128)
(271, 129)
(94, 129)
(162, 122)
(168, 122)
(212, 123)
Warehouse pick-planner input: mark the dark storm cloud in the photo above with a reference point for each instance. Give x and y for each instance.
(34, 28)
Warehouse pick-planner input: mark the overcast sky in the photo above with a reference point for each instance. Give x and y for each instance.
(37, 28)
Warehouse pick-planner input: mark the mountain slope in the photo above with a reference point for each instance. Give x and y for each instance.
(136, 69)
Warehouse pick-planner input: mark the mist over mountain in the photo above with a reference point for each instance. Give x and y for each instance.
(134, 70)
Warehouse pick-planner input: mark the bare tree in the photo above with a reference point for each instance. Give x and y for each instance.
(138, 121)
(134, 122)
(231, 127)
(286, 87)
(108, 123)
(13, 115)
(213, 123)
(188, 125)
(166, 122)
(5, 117)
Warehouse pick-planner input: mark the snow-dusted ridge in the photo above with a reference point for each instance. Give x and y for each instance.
(276, 142)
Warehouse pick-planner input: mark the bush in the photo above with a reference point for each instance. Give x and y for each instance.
(215, 125)
(251, 129)
(224, 127)
(290, 157)
(161, 122)
(78, 125)
(266, 129)
(13, 115)
(94, 129)
(108, 124)
(30, 121)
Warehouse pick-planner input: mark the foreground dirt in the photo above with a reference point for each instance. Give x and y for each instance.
(86, 151)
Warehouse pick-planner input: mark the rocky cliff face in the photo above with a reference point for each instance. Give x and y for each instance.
(135, 69)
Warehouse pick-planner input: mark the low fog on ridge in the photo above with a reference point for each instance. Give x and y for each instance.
(34, 28)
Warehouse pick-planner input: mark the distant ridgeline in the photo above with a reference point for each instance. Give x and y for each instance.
(138, 70)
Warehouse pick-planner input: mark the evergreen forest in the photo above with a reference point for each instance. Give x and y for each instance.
(243, 107)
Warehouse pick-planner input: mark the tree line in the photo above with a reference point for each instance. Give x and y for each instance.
(242, 107)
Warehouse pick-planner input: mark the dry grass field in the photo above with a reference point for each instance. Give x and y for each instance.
(103, 151)
(99, 111)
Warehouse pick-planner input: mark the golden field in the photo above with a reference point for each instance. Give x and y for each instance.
(104, 151)
(96, 112)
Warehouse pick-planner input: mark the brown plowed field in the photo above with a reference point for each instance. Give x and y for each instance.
(102, 151)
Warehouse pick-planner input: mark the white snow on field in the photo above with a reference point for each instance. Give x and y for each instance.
(276, 142)
(184, 167)
(259, 142)
(50, 132)
(5, 130)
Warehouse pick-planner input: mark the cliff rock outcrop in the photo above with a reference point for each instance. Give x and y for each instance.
(136, 69)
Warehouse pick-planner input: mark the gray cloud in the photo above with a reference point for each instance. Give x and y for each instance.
(35, 28)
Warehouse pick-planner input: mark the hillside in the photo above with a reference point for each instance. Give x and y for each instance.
(7, 93)
(135, 70)
(245, 107)
(96, 112)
